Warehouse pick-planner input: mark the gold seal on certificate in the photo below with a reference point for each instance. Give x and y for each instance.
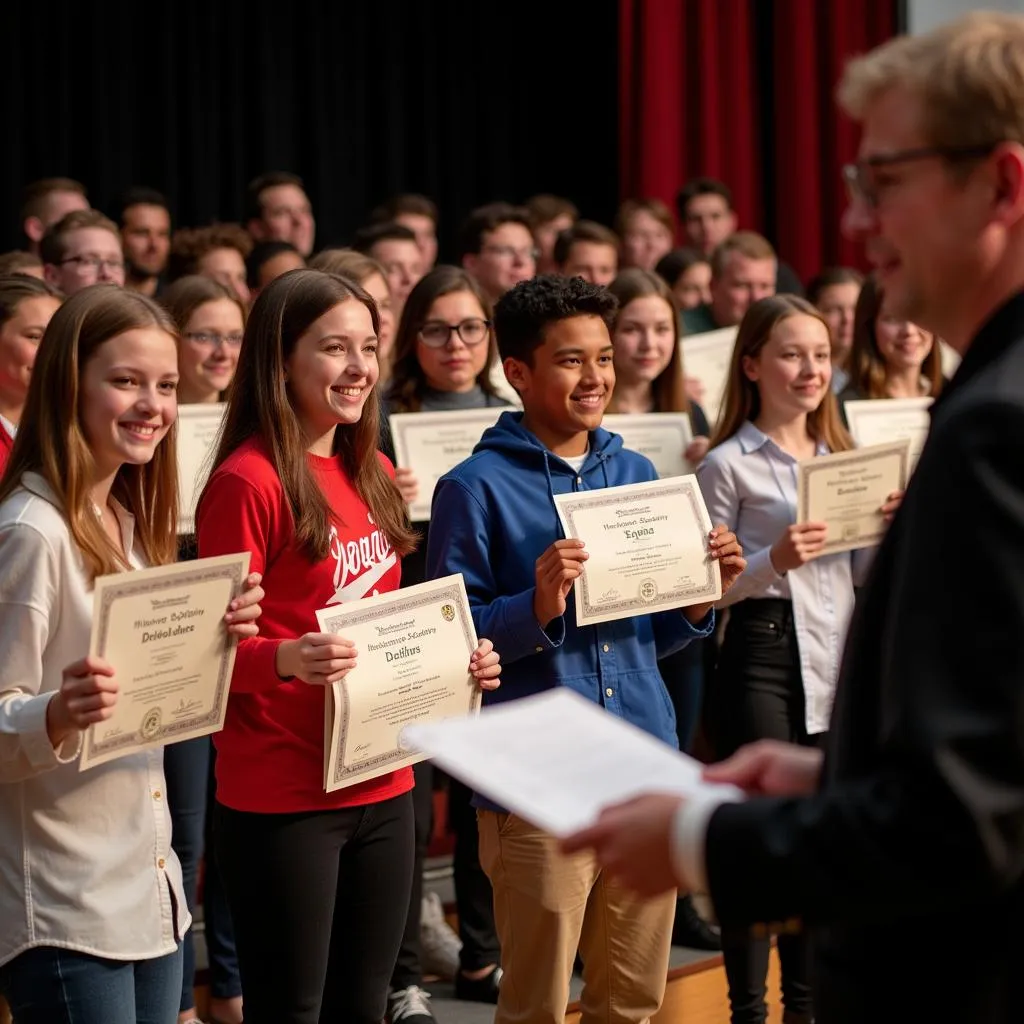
(163, 632)
(198, 432)
(846, 491)
(648, 545)
(708, 357)
(432, 443)
(661, 436)
(884, 420)
(413, 666)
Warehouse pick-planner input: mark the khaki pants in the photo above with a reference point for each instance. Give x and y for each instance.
(546, 906)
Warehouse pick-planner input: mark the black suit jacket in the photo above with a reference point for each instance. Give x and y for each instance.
(908, 865)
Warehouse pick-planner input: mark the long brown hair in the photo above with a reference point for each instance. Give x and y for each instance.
(742, 397)
(668, 389)
(259, 407)
(867, 366)
(407, 377)
(50, 440)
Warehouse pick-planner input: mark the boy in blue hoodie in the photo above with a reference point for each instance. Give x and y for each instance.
(494, 521)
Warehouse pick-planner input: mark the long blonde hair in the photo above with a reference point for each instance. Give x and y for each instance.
(50, 440)
(743, 398)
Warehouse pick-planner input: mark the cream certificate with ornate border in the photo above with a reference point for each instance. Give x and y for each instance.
(662, 436)
(163, 632)
(846, 491)
(648, 545)
(412, 665)
(883, 420)
(199, 428)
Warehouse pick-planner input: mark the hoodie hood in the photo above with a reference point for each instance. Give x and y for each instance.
(509, 437)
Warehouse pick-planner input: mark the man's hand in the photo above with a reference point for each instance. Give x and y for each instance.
(632, 842)
(770, 768)
(556, 571)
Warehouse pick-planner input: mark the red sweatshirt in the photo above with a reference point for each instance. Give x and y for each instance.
(270, 754)
(6, 443)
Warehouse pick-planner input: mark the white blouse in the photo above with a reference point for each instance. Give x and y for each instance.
(85, 857)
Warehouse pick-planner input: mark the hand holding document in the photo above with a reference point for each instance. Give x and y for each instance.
(432, 443)
(163, 632)
(662, 436)
(199, 428)
(884, 420)
(557, 759)
(847, 490)
(648, 545)
(414, 647)
(708, 358)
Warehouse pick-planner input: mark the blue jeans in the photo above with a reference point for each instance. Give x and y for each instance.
(47, 985)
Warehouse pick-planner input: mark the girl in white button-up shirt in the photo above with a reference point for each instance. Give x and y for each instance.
(91, 905)
(790, 609)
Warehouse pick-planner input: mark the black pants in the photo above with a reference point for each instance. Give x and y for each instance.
(319, 903)
(409, 968)
(759, 695)
(473, 896)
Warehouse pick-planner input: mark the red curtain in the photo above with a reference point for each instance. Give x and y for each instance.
(743, 90)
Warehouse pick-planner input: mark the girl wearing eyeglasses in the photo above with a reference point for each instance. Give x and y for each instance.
(210, 320)
(444, 350)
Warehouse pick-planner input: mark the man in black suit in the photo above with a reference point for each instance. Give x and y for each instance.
(904, 850)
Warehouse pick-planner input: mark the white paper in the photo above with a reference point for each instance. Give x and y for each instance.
(708, 357)
(662, 436)
(557, 759)
(199, 428)
(883, 420)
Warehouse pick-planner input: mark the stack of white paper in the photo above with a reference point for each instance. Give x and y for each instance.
(556, 759)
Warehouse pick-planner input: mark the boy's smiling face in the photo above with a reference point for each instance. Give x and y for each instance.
(569, 384)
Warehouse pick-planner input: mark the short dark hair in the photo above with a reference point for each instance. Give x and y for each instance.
(17, 261)
(485, 219)
(830, 277)
(582, 231)
(523, 312)
(544, 208)
(674, 264)
(35, 194)
(702, 187)
(141, 195)
(261, 252)
(259, 185)
(406, 202)
(388, 231)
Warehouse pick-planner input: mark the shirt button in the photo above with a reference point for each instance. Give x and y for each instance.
(609, 692)
(156, 794)
(161, 863)
(606, 648)
(538, 648)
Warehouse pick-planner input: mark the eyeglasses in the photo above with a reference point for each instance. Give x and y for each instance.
(211, 340)
(94, 262)
(510, 252)
(435, 333)
(858, 177)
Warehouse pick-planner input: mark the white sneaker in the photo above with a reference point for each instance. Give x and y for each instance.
(439, 945)
(409, 1006)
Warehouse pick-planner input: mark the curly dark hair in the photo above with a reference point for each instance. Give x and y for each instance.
(523, 313)
(190, 245)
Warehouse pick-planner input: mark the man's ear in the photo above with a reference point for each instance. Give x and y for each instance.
(517, 373)
(470, 262)
(34, 229)
(257, 230)
(51, 274)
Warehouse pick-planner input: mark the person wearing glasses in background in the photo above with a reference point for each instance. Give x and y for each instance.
(497, 247)
(81, 249)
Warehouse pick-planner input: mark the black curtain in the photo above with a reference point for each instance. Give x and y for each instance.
(463, 100)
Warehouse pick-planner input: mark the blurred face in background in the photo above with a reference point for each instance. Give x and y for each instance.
(645, 241)
(146, 238)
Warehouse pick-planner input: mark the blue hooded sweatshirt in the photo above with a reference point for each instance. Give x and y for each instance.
(492, 517)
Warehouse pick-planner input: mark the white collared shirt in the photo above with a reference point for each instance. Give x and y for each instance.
(85, 857)
(750, 484)
(8, 426)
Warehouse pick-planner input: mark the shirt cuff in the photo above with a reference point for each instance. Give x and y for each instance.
(689, 833)
(36, 740)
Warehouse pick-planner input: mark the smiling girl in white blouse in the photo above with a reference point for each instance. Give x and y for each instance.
(91, 903)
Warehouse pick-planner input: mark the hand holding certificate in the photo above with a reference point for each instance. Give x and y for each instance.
(416, 659)
(708, 358)
(846, 492)
(163, 633)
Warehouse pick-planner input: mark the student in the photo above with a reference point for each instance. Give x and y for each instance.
(588, 250)
(548, 217)
(890, 357)
(218, 251)
(649, 378)
(277, 209)
(318, 882)
(790, 610)
(688, 273)
(496, 246)
(210, 321)
(495, 522)
(418, 214)
(395, 248)
(267, 261)
(443, 358)
(835, 292)
(90, 889)
(45, 202)
(145, 239)
(26, 306)
(646, 229)
(81, 249)
(371, 275)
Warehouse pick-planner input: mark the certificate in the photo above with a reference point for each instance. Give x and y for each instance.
(432, 443)
(649, 548)
(163, 632)
(882, 420)
(661, 436)
(708, 357)
(847, 490)
(198, 433)
(950, 358)
(414, 648)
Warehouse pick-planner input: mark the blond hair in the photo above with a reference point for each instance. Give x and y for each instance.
(968, 75)
(747, 243)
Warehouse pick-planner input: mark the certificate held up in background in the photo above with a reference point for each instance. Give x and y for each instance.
(884, 420)
(163, 632)
(199, 428)
(662, 436)
(708, 358)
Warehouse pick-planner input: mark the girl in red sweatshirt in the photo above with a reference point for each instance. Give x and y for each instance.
(318, 883)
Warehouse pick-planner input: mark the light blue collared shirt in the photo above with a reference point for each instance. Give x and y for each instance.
(750, 484)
